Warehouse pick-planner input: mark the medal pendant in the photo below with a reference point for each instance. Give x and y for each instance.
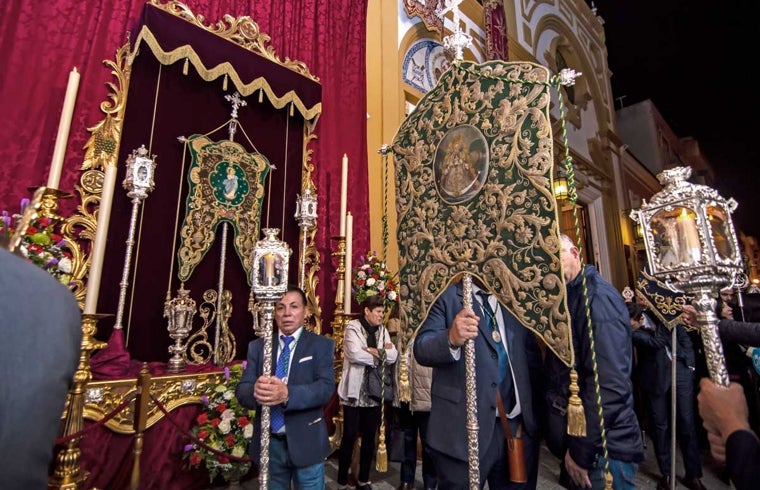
(496, 336)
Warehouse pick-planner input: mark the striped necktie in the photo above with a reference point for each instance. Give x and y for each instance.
(277, 414)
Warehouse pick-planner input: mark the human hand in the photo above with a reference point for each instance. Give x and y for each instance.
(723, 411)
(577, 474)
(464, 327)
(373, 351)
(270, 390)
(689, 315)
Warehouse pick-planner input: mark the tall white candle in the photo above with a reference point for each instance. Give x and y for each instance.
(343, 190)
(98, 253)
(349, 263)
(59, 152)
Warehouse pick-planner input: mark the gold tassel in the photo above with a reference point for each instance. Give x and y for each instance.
(576, 419)
(382, 455)
(291, 109)
(608, 480)
(261, 96)
(404, 386)
(224, 83)
(185, 67)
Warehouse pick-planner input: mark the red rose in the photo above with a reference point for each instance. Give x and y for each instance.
(243, 421)
(195, 459)
(202, 434)
(230, 440)
(215, 422)
(202, 419)
(31, 230)
(221, 407)
(44, 222)
(224, 460)
(55, 237)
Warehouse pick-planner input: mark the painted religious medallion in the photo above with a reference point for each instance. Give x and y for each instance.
(496, 336)
(461, 164)
(229, 183)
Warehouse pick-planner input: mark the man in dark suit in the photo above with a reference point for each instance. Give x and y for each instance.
(296, 392)
(653, 345)
(439, 344)
(41, 328)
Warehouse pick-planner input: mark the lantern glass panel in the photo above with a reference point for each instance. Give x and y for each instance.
(676, 237)
(718, 219)
(270, 269)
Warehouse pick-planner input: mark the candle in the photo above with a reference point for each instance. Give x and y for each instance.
(349, 262)
(343, 189)
(269, 269)
(688, 236)
(59, 152)
(98, 252)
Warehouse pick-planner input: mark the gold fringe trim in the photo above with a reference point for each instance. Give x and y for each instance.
(209, 74)
(576, 418)
(224, 83)
(185, 67)
(261, 96)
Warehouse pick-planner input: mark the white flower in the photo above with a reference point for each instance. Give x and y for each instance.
(64, 265)
(228, 395)
(370, 281)
(228, 414)
(224, 426)
(238, 452)
(381, 285)
(361, 274)
(248, 431)
(392, 295)
(220, 388)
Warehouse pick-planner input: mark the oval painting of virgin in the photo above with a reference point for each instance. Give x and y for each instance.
(461, 164)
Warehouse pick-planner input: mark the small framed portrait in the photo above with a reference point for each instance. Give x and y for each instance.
(461, 164)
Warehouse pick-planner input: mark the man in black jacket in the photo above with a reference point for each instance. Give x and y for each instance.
(655, 361)
(610, 324)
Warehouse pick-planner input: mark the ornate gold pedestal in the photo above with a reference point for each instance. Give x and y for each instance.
(67, 474)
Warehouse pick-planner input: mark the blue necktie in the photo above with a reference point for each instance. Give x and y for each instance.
(505, 373)
(277, 415)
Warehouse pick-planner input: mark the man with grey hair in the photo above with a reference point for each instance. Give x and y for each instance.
(583, 456)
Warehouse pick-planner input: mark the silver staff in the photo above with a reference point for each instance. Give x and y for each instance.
(270, 281)
(138, 183)
(471, 397)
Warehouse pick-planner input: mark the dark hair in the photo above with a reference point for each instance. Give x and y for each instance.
(634, 310)
(373, 302)
(294, 288)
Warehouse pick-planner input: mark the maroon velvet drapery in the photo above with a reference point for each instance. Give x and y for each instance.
(39, 46)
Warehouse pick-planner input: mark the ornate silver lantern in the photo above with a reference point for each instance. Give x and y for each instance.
(179, 313)
(270, 281)
(306, 216)
(691, 247)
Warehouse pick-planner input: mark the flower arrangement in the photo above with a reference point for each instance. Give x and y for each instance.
(225, 428)
(41, 245)
(372, 277)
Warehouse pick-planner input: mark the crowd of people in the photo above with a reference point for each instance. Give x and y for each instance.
(519, 385)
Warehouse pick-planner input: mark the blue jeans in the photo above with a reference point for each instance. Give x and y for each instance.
(623, 475)
(282, 471)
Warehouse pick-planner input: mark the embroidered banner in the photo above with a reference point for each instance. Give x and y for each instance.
(226, 185)
(473, 195)
(665, 304)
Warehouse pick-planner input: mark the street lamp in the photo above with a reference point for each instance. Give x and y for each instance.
(691, 247)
